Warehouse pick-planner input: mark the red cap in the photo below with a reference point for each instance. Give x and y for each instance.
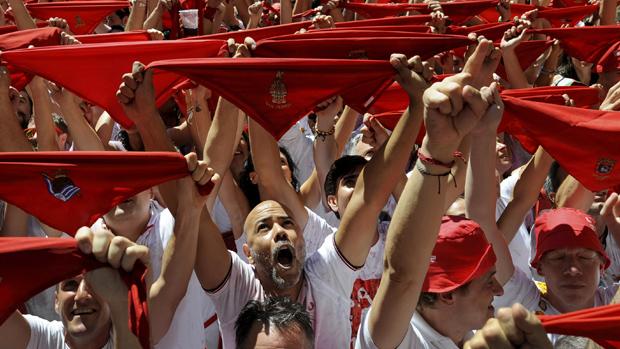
(610, 61)
(565, 228)
(461, 254)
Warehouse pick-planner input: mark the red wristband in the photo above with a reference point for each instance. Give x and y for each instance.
(430, 160)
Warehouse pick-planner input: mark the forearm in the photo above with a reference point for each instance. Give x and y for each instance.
(177, 267)
(12, 136)
(286, 12)
(235, 204)
(607, 12)
(84, 137)
(573, 194)
(136, 16)
(253, 22)
(213, 261)
(548, 72)
(514, 73)
(325, 148)
(456, 182)
(15, 222)
(46, 130)
(199, 122)
(23, 20)
(301, 6)
(344, 127)
(480, 199)
(311, 191)
(123, 337)
(525, 193)
(222, 139)
(154, 19)
(242, 11)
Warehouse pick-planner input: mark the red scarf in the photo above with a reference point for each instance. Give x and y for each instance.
(111, 60)
(136, 35)
(68, 190)
(29, 265)
(82, 16)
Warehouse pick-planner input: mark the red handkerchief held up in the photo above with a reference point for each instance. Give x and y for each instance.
(97, 69)
(276, 92)
(28, 265)
(379, 48)
(5, 29)
(406, 20)
(68, 190)
(583, 141)
(459, 8)
(256, 33)
(82, 16)
(136, 35)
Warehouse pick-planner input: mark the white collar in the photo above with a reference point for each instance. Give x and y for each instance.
(431, 336)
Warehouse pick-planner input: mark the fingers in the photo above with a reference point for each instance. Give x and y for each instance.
(101, 243)
(475, 100)
(530, 325)
(609, 205)
(132, 254)
(192, 161)
(200, 172)
(116, 250)
(84, 237)
(489, 337)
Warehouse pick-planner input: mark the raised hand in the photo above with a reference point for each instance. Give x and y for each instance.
(373, 132)
(611, 214)
(481, 64)
(137, 94)
(493, 116)
(514, 327)
(201, 174)
(323, 22)
(413, 75)
(514, 36)
(612, 99)
(503, 8)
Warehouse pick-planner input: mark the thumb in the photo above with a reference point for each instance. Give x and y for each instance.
(138, 71)
(475, 100)
(531, 327)
(609, 204)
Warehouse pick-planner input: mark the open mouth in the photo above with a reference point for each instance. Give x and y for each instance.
(82, 311)
(285, 256)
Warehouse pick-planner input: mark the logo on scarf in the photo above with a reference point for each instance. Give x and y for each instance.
(604, 168)
(79, 21)
(278, 93)
(61, 186)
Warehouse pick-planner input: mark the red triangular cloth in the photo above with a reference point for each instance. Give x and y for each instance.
(256, 33)
(589, 44)
(379, 48)
(82, 16)
(5, 29)
(136, 35)
(599, 324)
(29, 265)
(276, 92)
(406, 20)
(556, 16)
(96, 70)
(68, 190)
(583, 141)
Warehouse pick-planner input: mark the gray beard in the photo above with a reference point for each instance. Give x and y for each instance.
(265, 260)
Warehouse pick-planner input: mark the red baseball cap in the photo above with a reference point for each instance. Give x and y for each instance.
(461, 254)
(565, 228)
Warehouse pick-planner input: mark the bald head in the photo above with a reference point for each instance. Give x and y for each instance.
(263, 210)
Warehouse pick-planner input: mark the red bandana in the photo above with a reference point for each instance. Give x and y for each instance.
(285, 89)
(589, 44)
(29, 265)
(527, 52)
(598, 323)
(491, 31)
(583, 141)
(137, 35)
(68, 190)
(460, 8)
(357, 33)
(13, 28)
(256, 33)
(407, 20)
(82, 16)
(556, 16)
(111, 60)
(415, 28)
(379, 48)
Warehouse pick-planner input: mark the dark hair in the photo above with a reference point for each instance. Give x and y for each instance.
(340, 168)
(428, 299)
(251, 190)
(280, 312)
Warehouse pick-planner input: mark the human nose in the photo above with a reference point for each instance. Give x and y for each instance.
(572, 268)
(83, 292)
(498, 290)
(280, 233)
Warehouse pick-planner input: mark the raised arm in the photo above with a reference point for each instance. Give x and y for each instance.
(137, 15)
(23, 20)
(451, 110)
(47, 139)
(358, 232)
(180, 253)
(512, 38)
(525, 193)
(480, 184)
(83, 135)
(12, 136)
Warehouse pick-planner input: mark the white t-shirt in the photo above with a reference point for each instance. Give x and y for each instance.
(328, 280)
(520, 248)
(298, 142)
(315, 232)
(612, 274)
(367, 281)
(187, 327)
(522, 289)
(420, 335)
(50, 334)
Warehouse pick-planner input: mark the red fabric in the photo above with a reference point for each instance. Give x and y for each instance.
(379, 48)
(556, 16)
(5, 29)
(583, 141)
(566, 228)
(29, 265)
(459, 8)
(491, 31)
(22, 39)
(284, 90)
(589, 44)
(137, 35)
(98, 83)
(407, 20)
(450, 267)
(415, 28)
(583, 96)
(527, 52)
(82, 16)
(610, 61)
(598, 323)
(257, 33)
(568, 3)
(68, 190)
(378, 10)
(356, 33)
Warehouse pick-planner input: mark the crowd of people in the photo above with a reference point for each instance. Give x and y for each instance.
(346, 174)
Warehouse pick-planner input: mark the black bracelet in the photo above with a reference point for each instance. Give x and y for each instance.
(424, 172)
